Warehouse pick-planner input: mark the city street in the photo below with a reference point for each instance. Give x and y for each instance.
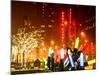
(49, 37)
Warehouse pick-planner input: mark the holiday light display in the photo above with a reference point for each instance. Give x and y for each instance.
(71, 61)
(77, 42)
(62, 53)
(24, 43)
(81, 60)
(57, 40)
(91, 62)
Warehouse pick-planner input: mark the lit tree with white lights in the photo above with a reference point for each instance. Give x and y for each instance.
(24, 42)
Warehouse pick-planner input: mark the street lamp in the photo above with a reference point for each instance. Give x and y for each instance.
(42, 43)
(82, 34)
(52, 42)
(65, 23)
(56, 47)
(86, 41)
